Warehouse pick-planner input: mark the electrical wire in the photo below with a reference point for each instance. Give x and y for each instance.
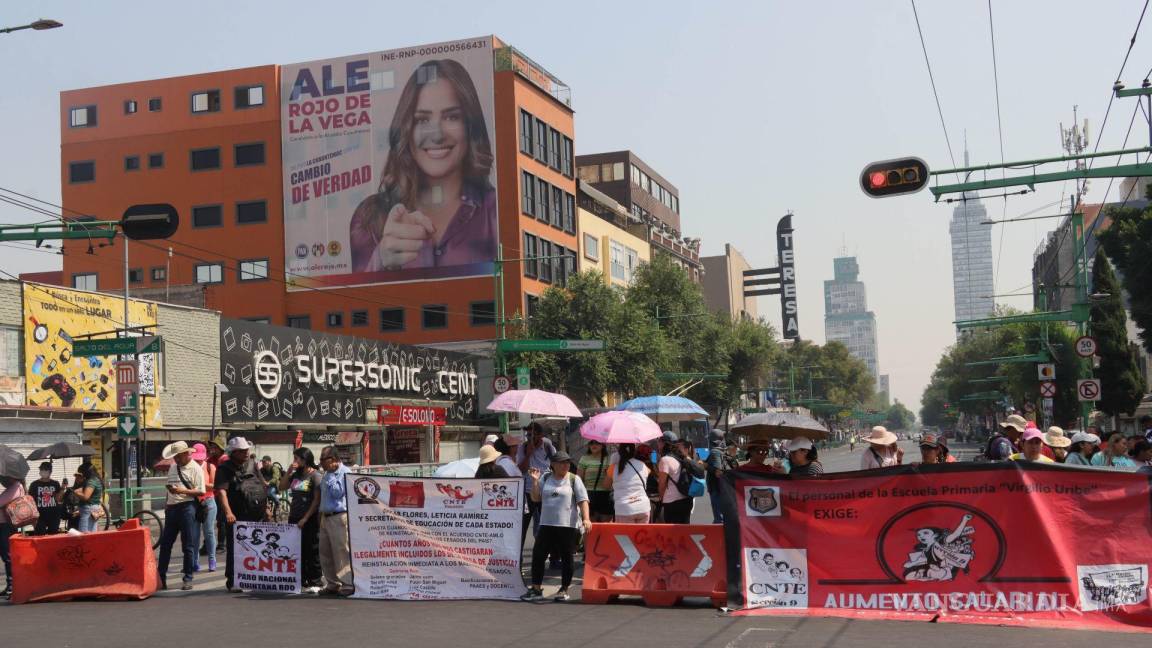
(1112, 95)
(1000, 133)
(932, 80)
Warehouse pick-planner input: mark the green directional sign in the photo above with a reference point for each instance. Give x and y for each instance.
(116, 346)
(127, 427)
(511, 346)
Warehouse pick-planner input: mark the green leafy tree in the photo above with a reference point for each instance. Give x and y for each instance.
(1122, 386)
(899, 417)
(1128, 242)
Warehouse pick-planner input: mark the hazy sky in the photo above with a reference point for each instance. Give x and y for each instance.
(750, 108)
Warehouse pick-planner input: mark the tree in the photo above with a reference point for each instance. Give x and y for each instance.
(1122, 386)
(899, 417)
(1128, 242)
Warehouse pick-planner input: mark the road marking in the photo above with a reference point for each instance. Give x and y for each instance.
(745, 640)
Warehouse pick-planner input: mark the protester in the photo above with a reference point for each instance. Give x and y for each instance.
(491, 439)
(719, 462)
(591, 469)
(803, 458)
(627, 479)
(505, 460)
(488, 467)
(1146, 427)
(48, 494)
(208, 502)
(564, 512)
(271, 473)
(1002, 445)
(758, 454)
(89, 490)
(1032, 444)
(1142, 453)
(242, 495)
(185, 486)
(882, 450)
(536, 452)
(335, 560)
(302, 483)
(934, 450)
(13, 489)
(1084, 445)
(1114, 453)
(676, 506)
(1056, 444)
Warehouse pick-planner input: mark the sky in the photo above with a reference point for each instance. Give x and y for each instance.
(751, 109)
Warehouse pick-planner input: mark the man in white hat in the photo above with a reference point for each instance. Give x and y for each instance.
(1003, 445)
(185, 485)
(882, 450)
(242, 495)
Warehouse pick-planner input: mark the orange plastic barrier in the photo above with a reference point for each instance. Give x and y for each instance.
(106, 565)
(661, 563)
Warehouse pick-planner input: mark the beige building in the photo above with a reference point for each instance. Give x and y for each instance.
(724, 283)
(606, 242)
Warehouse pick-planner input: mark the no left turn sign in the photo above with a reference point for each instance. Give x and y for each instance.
(1088, 390)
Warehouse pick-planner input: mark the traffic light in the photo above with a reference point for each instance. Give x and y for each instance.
(892, 177)
(144, 222)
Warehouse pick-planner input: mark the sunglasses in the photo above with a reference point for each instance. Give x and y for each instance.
(759, 451)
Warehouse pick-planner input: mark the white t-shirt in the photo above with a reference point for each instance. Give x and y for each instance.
(559, 500)
(671, 465)
(629, 490)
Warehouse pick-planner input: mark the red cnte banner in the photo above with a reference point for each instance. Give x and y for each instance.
(663, 563)
(1006, 544)
(410, 415)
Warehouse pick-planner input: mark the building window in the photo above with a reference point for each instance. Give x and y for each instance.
(81, 171)
(566, 156)
(632, 262)
(525, 133)
(617, 262)
(591, 247)
(635, 175)
(606, 172)
(155, 160)
(541, 141)
(530, 263)
(82, 117)
(253, 211)
(254, 270)
(299, 321)
(675, 204)
(569, 213)
(209, 273)
(528, 201)
(531, 305)
(434, 316)
(335, 320)
(207, 101)
(482, 313)
(258, 320)
(130, 107)
(249, 154)
(205, 159)
(391, 319)
(132, 163)
(136, 275)
(542, 200)
(154, 104)
(618, 171)
(557, 207)
(86, 281)
(590, 173)
(359, 318)
(545, 262)
(208, 216)
(249, 96)
(159, 273)
(554, 148)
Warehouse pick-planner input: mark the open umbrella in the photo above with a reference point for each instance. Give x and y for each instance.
(620, 427)
(461, 468)
(779, 425)
(12, 463)
(535, 401)
(60, 451)
(664, 409)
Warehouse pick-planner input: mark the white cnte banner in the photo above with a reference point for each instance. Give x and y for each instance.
(267, 557)
(428, 539)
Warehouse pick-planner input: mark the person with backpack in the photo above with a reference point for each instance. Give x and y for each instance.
(564, 515)
(719, 462)
(242, 496)
(882, 451)
(1002, 445)
(676, 473)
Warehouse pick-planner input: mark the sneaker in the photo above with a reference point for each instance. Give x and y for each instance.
(313, 589)
(196, 566)
(186, 587)
(561, 596)
(212, 563)
(235, 590)
(532, 594)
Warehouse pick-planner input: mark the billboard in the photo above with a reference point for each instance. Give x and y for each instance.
(389, 166)
(53, 318)
(281, 374)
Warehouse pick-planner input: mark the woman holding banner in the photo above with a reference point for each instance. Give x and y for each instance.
(563, 516)
(302, 481)
(436, 205)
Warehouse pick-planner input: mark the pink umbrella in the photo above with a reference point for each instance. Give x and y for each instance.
(620, 426)
(535, 401)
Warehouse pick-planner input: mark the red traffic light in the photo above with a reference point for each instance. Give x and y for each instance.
(892, 177)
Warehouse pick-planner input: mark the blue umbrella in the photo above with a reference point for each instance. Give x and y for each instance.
(665, 408)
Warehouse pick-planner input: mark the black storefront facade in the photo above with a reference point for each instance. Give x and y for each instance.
(286, 387)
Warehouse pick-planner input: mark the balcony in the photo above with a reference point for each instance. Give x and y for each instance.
(510, 59)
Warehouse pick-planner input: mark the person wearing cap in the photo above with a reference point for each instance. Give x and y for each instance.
(1084, 445)
(675, 507)
(230, 477)
(536, 452)
(564, 515)
(1056, 444)
(47, 493)
(185, 485)
(882, 450)
(1114, 453)
(1032, 444)
(933, 450)
(488, 467)
(491, 439)
(803, 458)
(1002, 445)
(335, 559)
(208, 501)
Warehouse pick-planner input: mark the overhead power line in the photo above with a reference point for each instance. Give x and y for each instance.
(932, 80)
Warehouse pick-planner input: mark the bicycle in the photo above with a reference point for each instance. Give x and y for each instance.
(278, 508)
(148, 520)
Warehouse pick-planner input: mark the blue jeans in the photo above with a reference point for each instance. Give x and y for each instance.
(87, 522)
(717, 501)
(179, 519)
(208, 528)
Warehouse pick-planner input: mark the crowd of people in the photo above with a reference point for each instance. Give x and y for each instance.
(1019, 439)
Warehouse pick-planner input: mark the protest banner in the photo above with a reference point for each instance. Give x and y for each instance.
(428, 539)
(1009, 544)
(267, 557)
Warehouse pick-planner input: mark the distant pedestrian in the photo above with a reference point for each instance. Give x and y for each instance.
(242, 495)
(803, 458)
(1056, 444)
(185, 485)
(13, 489)
(302, 483)
(1142, 453)
(1146, 427)
(48, 494)
(1002, 444)
(208, 528)
(591, 469)
(759, 453)
(1114, 453)
(719, 462)
(335, 560)
(1084, 445)
(933, 450)
(1032, 444)
(536, 452)
(628, 480)
(564, 514)
(89, 497)
(883, 451)
(488, 468)
(676, 504)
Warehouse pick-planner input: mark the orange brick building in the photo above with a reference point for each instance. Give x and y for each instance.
(210, 145)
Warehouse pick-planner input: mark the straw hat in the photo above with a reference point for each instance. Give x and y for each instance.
(1055, 438)
(488, 454)
(881, 436)
(173, 449)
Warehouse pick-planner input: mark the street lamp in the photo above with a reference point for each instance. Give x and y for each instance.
(38, 25)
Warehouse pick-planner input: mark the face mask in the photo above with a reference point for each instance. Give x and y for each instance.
(45, 474)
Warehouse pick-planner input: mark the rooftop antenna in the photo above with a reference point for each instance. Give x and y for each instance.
(1075, 141)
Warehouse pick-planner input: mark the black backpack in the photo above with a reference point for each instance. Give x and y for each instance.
(252, 490)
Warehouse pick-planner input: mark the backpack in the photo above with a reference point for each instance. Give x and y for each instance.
(691, 481)
(252, 490)
(986, 455)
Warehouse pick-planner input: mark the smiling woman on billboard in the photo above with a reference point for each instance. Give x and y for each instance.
(435, 205)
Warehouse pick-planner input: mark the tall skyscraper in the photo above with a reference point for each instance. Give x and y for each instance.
(972, 278)
(846, 316)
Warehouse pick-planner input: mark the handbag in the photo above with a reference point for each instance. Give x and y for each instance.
(22, 511)
(201, 510)
(599, 501)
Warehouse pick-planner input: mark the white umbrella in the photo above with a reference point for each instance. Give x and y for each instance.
(458, 469)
